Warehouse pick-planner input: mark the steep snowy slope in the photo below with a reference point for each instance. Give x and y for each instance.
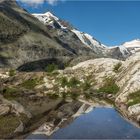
(87, 40)
(49, 19)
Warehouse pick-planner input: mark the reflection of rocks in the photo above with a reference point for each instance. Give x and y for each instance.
(19, 109)
(20, 128)
(49, 128)
(83, 110)
(7, 106)
(63, 116)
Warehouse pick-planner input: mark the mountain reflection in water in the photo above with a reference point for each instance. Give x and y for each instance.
(69, 121)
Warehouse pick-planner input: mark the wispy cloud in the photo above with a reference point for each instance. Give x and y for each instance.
(39, 2)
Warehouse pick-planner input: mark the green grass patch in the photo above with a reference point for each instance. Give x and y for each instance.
(10, 93)
(12, 72)
(109, 87)
(53, 96)
(8, 124)
(30, 83)
(117, 67)
(64, 81)
(86, 85)
(134, 98)
(72, 83)
(51, 67)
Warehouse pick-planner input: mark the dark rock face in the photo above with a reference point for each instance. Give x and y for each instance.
(117, 54)
(41, 65)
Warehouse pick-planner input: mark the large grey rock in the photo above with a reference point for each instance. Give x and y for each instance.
(4, 109)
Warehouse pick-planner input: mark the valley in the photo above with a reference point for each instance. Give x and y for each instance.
(52, 76)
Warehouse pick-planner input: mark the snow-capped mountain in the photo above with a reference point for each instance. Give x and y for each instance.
(87, 40)
(49, 19)
(67, 34)
(127, 48)
(133, 46)
(120, 52)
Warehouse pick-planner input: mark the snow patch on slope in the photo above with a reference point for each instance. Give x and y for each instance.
(133, 43)
(80, 35)
(48, 19)
(89, 41)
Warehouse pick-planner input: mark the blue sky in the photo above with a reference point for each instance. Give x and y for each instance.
(111, 22)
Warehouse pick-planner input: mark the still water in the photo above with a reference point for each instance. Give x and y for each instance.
(101, 123)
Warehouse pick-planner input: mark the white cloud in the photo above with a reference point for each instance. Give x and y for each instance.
(38, 2)
(52, 2)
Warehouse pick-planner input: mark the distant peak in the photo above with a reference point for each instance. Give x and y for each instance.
(50, 14)
(135, 40)
(132, 43)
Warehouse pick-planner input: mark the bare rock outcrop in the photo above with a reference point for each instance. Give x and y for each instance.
(4, 109)
(7, 106)
(129, 78)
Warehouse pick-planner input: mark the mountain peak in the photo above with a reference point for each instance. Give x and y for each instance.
(51, 15)
(133, 43)
(46, 15)
(50, 19)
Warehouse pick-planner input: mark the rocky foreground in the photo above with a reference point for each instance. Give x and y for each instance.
(28, 99)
